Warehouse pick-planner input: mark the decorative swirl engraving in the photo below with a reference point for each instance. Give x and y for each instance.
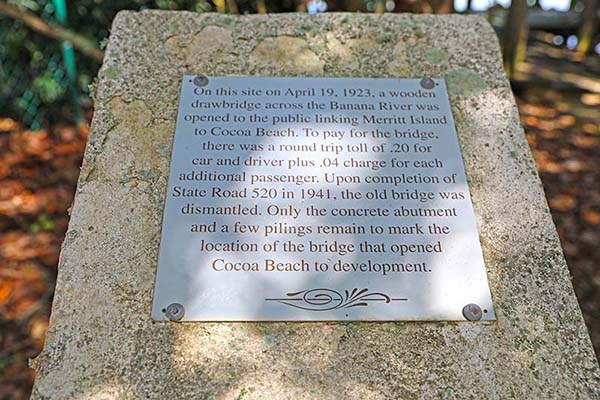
(324, 299)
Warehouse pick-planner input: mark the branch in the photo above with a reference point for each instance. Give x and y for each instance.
(84, 45)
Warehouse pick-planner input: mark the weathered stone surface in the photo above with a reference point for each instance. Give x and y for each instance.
(102, 343)
(284, 52)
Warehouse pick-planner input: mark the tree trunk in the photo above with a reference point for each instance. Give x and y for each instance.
(261, 6)
(589, 24)
(220, 6)
(301, 6)
(443, 6)
(233, 7)
(514, 43)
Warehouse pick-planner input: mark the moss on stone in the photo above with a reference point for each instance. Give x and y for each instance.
(436, 56)
(464, 82)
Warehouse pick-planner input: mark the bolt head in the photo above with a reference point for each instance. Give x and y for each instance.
(174, 311)
(427, 83)
(472, 312)
(200, 80)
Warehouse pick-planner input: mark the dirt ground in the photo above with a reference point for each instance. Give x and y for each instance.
(39, 170)
(38, 173)
(559, 102)
(566, 149)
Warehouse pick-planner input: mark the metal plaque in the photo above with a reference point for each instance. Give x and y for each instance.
(303, 199)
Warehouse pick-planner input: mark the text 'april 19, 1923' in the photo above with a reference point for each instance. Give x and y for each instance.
(318, 199)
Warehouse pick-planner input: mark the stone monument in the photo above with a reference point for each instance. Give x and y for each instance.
(103, 342)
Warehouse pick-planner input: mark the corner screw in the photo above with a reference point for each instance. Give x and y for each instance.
(472, 312)
(200, 80)
(427, 83)
(174, 311)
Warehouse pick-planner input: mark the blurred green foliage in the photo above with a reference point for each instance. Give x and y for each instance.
(30, 69)
(33, 87)
(43, 223)
(33, 83)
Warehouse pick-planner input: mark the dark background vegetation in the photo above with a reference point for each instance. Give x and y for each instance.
(551, 57)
